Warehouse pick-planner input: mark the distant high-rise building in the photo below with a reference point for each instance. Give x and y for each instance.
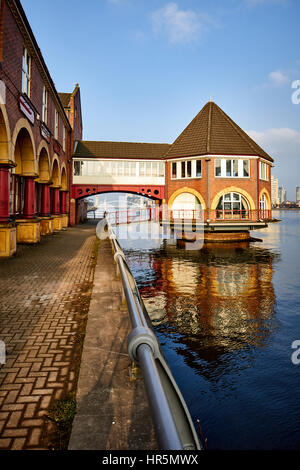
(274, 191)
(282, 195)
(298, 195)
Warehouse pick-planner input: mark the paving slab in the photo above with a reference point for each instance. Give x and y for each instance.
(112, 409)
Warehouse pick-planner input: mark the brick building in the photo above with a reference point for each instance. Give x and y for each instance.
(46, 170)
(38, 126)
(213, 171)
(216, 166)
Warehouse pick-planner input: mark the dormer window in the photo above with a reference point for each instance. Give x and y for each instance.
(26, 73)
(45, 106)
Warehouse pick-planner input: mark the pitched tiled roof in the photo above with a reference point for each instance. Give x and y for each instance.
(213, 132)
(65, 99)
(105, 149)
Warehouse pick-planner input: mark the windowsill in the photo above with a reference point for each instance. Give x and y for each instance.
(188, 178)
(233, 177)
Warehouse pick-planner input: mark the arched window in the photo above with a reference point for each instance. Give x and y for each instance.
(232, 206)
(263, 207)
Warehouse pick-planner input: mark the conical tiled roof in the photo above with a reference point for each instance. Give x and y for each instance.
(212, 132)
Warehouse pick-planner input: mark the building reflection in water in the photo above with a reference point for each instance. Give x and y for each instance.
(212, 302)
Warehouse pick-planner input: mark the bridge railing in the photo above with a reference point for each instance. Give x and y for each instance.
(171, 418)
(126, 216)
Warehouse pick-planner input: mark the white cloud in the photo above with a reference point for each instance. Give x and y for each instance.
(278, 78)
(281, 143)
(180, 26)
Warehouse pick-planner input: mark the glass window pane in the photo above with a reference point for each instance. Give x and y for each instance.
(126, 168)
(120, 168)
(228, 167)
(236, 197)
(174, 168)
(235, 164)
(77, 168)
(161, 169)
(198, 168)
(133, 169)
(142, 168)
(84, 168)
(154, 169)
(227, 197)
(245, 168)
(189, 169)
(114, 168)
(182, 169)
(148, 169)
(227, 206)
(218, 167)
(220, 204)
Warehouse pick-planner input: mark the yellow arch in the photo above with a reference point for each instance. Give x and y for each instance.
(264, 191)
(57, 181)
(43, 169)
(232, 189)
(24, 124)
(64, 177)
(186, 190)
(5, 136)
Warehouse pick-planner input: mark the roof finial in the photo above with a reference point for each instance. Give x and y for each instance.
(210, 100)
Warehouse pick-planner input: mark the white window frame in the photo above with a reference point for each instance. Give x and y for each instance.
(178, 165)
(26, 73)
(224, 161)
(263, 171)
(56, 125)
(45, 106)
(64, 138)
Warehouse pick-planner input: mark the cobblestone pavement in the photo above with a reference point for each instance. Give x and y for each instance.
(44, 298)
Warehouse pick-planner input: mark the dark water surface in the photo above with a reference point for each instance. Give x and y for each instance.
(226, 317)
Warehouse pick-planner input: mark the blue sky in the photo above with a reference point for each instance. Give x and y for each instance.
(146, 67)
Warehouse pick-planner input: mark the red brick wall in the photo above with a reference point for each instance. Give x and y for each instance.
(218, 184)
(11, 74)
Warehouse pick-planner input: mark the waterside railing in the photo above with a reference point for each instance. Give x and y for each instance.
(172, 421)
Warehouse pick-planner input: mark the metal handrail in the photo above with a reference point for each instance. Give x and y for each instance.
(171, 418)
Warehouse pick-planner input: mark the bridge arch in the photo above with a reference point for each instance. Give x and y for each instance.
(81, 192)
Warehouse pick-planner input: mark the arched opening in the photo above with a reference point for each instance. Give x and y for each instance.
(56, 183)
(24, 173)
(120, 206)
(55, 174)
(6, 179)
(4, 151)
(64, 181)
(264, 206)
(41, 185)
(186, 205)
(44, 169)
(232, 205)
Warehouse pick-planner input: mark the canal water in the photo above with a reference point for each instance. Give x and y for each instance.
(226, 317)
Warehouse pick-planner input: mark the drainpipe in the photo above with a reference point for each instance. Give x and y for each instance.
(257, 188)
(207, 191)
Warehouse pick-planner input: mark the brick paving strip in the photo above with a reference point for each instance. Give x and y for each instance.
(45, 292)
